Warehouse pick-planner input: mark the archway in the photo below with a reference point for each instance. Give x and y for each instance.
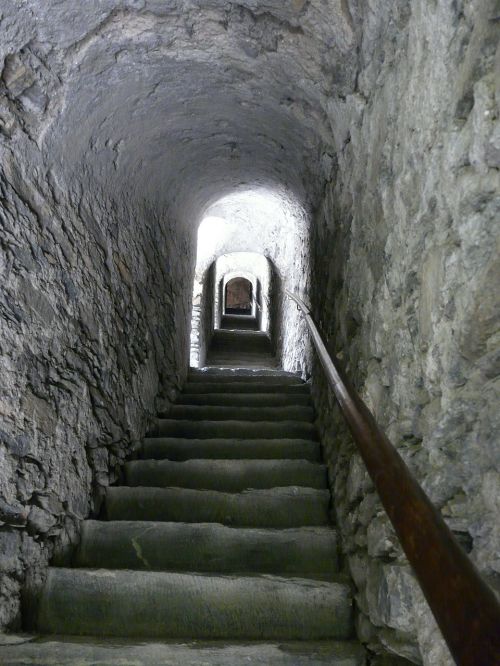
(238, 297)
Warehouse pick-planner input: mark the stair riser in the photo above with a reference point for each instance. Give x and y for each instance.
(241, 326)
(246, 347)
(257, 363)
(213, 548)
(250, 509)
(225, 475)
(150, 604)
(243, 354)
(234, 429)
(242, 400)
(244, 387)
(241, 345)
(254, 378)
(227, 413)
(236, 340)
(161, 448)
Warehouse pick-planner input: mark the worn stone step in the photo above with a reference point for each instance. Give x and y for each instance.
(175, 448)
(239, 322)
(266, 378)
(239, 413)
(234, 429)
(241, 372)
(237, 340)
(244, 387)
(228, 361)
(237, 353)
(99, 651)
(225, 475)
(276, 507)
(244, 342)
(258, 360)
(244, 400)
(178, 605)
(207, 547)
(240, 354)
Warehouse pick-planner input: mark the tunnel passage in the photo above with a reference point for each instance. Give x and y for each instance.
(252, 234)
(238, 297)
(238, 339)
(237, 289)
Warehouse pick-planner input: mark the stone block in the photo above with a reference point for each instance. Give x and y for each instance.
(390, 594)
(381, 538)
(40, 521)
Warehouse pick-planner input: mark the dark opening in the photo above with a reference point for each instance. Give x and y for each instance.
(238, 297)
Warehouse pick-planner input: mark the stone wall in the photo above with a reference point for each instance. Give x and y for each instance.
(207, 315)
(405, 261)
(93, 328)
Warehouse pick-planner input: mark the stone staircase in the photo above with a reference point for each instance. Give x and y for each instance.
(239, 322)
(220, 532)
(241, 348)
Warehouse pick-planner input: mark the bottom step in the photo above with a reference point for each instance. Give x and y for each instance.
(99, 652)
(137, 604)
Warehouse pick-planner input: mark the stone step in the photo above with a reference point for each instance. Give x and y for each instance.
(245, 400)
(99, 651)
(244, 387)
(239, 413)
(207, 547)
(266, 378)
(234, 429)
(178, 605)
(235, 354)
(228, 361)
(242, 372)
(238, 340)
(239, 322)
(230, 476)
(277, 507)
(174, 448)
(240, 353)
(258, 363)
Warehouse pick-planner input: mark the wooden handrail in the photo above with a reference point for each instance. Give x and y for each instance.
(466, 609)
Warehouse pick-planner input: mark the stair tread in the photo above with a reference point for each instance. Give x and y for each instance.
(266, 378)
(116, 652)
(251, 399)
(239, 413)
(279, 533)
(180, 448)
(291, 506)
(177, 546)
(212, 386)
(227, 475)
(180, 605)
(235, 428)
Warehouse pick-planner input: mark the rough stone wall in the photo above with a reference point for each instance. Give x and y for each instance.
(405, 255)
(92, 329)
(206, 313)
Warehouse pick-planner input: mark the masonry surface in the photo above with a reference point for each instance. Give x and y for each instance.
(373, 132)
